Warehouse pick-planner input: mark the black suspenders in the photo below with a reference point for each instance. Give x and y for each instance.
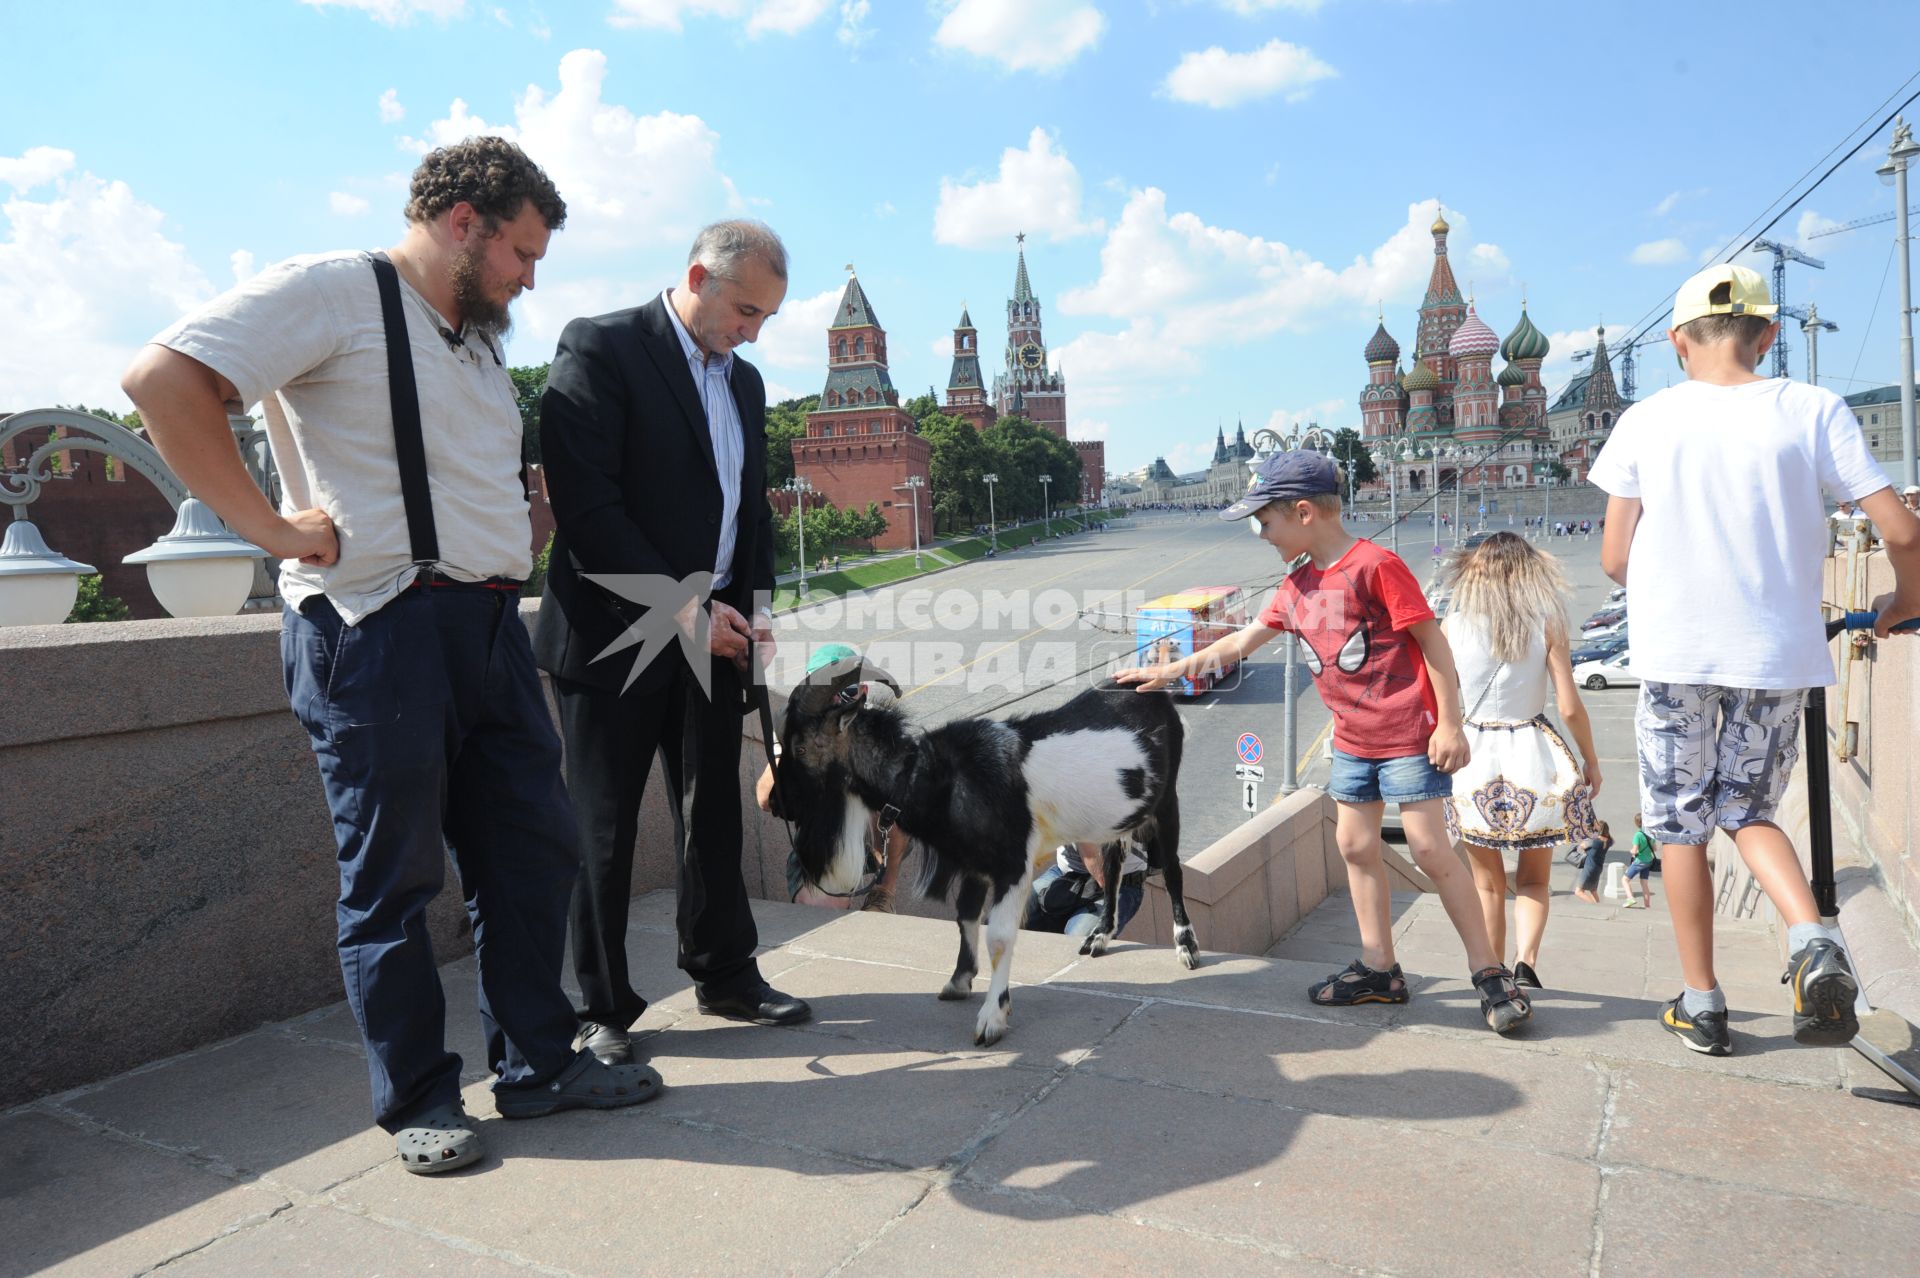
(409, 449)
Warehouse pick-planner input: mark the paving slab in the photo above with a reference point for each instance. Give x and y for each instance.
(312, 1241)
(1240, 1168)
(1799, 1141)
(292, 1112)
(840, 1096)
(82, 1203)
(896, 1005)
(943, 1237)
(1465, 1087)
(932, 945)
(1222, 980)
(619, 1193)
(1653, 1223)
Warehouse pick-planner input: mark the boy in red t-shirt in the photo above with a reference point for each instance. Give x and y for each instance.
(1386, 674)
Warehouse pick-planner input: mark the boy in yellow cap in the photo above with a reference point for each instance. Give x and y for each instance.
(1716, 526)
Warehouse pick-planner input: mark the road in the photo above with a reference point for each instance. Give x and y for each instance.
(1026, 631)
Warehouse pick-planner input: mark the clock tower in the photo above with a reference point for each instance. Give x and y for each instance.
(1042, 395)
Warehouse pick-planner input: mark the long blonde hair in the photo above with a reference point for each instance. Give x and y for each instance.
(1512, 589)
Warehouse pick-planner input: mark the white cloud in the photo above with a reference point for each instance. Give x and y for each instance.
(1329, 414)
(1559, 367)
(1811, 222)
(1658, 253)
(1218, 79)
(854, 32)
(39, 166)
(884, 209)
(796, 338)
(629, 181)
(87, 274)
(786, 17)
(391, 112)
(500, 16)
(1037, 191)
(1253, 8)
(1665, 206)
(1087, 428)
(241, 260)
(396, 13)
(345, 205)
(1022, 35)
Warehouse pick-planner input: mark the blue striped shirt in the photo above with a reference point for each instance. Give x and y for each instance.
(713, 379)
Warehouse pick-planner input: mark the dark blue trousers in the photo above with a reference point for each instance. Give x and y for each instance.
(433, 738)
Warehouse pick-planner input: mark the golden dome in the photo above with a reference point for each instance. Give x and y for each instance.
(1440, 226)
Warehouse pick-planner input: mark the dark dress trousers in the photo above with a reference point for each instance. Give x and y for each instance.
(631, 475)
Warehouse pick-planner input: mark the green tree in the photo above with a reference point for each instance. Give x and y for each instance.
(537, 579)
(786, 422)
(1350, 451)
(871, 525)
(95, 604)
(1557, 471)
(528, 382)
(923, 406)
(959, 458)
(1020, 452)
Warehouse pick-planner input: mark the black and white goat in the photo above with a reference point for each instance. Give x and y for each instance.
(985, 800)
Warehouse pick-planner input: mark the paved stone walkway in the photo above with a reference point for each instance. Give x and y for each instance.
(1138, 1119)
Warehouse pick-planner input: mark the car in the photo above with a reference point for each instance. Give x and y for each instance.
(1600, 650)
(1474, 540)
(1609, 673)
(1600, 634)
(1605, 617)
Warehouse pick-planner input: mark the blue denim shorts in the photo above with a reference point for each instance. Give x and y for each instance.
(1408, 779)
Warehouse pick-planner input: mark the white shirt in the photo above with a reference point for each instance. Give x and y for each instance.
(1723, 578)
(306, 338)
(713, 379)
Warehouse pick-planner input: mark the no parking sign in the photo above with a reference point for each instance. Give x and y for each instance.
(1248, 747)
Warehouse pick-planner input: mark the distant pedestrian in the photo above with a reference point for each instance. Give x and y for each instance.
(1592, 863)
(1640, 866)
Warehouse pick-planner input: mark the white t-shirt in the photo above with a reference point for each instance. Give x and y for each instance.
(1723, 579)
(306, 336)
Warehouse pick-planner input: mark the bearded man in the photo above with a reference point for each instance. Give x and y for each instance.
(403, 537)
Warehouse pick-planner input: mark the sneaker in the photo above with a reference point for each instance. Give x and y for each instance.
(1702, 1031)
(1824, 990)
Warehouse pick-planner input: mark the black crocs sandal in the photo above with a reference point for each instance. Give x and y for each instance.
(1501, 1001)
(585, 1084)
(1357, 983)
(438, 1140)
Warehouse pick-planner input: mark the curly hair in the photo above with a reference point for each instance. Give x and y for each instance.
(491, 174)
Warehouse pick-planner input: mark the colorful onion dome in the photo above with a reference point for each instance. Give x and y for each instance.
(1473, 339)
(1382, 349)
(1525, 341)
(1440, 226)
(1421, 378)
(1511, 376)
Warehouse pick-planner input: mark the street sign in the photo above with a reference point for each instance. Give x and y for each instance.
(1483, 509)
(1250, 795)
(1248, 747)
(1249, 772)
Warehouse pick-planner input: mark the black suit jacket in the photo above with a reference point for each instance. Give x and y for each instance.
(630, 472)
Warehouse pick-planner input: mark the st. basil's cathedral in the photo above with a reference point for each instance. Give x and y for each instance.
(861, 444)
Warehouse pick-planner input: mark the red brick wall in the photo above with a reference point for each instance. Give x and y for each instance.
(1093, 468)
(854, 471)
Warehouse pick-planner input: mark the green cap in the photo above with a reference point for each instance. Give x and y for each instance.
(827, 654)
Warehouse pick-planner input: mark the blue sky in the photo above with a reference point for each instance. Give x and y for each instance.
(1216, 193)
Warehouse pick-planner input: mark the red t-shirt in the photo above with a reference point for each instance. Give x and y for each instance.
(1352, 619)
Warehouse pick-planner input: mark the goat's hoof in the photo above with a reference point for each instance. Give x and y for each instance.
(989, 1029)
(1189, 959)
(951, 993)
(1187, 946)
(1095, 945)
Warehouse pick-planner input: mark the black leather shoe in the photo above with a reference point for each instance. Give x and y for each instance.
(762, 1006)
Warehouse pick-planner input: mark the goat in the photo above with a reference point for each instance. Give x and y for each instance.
(984, 800)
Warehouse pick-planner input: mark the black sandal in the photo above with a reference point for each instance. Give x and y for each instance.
(1525, 977)
(1357, 983)
(1501, 1001)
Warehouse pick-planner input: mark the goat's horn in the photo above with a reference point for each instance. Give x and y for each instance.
(870, 673)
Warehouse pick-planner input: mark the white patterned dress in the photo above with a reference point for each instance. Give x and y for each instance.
(1522, 788)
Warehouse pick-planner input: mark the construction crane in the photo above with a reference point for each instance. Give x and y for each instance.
(1627, 388)
(1859, 222)
(1782, 254)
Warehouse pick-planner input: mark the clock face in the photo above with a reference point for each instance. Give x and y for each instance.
(1031, 356)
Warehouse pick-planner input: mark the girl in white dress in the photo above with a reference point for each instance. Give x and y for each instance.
(1523, 791)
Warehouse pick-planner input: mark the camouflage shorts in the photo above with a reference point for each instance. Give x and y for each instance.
(1713, 758)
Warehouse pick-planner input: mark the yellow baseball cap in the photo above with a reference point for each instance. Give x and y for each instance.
(1724, 289)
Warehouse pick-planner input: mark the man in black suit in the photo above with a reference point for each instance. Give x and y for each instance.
(654, 437)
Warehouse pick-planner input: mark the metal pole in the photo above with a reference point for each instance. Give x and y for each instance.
(1546, 516)
(1458, 477)
(993, 521)
(1393, 500)
(1906, 317)
(1812, 328)
(1290, 719)
(800, 495)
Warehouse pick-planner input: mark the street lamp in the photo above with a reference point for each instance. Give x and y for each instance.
(993, 521)
(913, 485)
(1894, 173)
(1390, 455)
(199, 569)
(800, 487)
(1046, 509)
(37, 585)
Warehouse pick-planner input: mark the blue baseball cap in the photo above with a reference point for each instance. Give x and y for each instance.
(1288, 476)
